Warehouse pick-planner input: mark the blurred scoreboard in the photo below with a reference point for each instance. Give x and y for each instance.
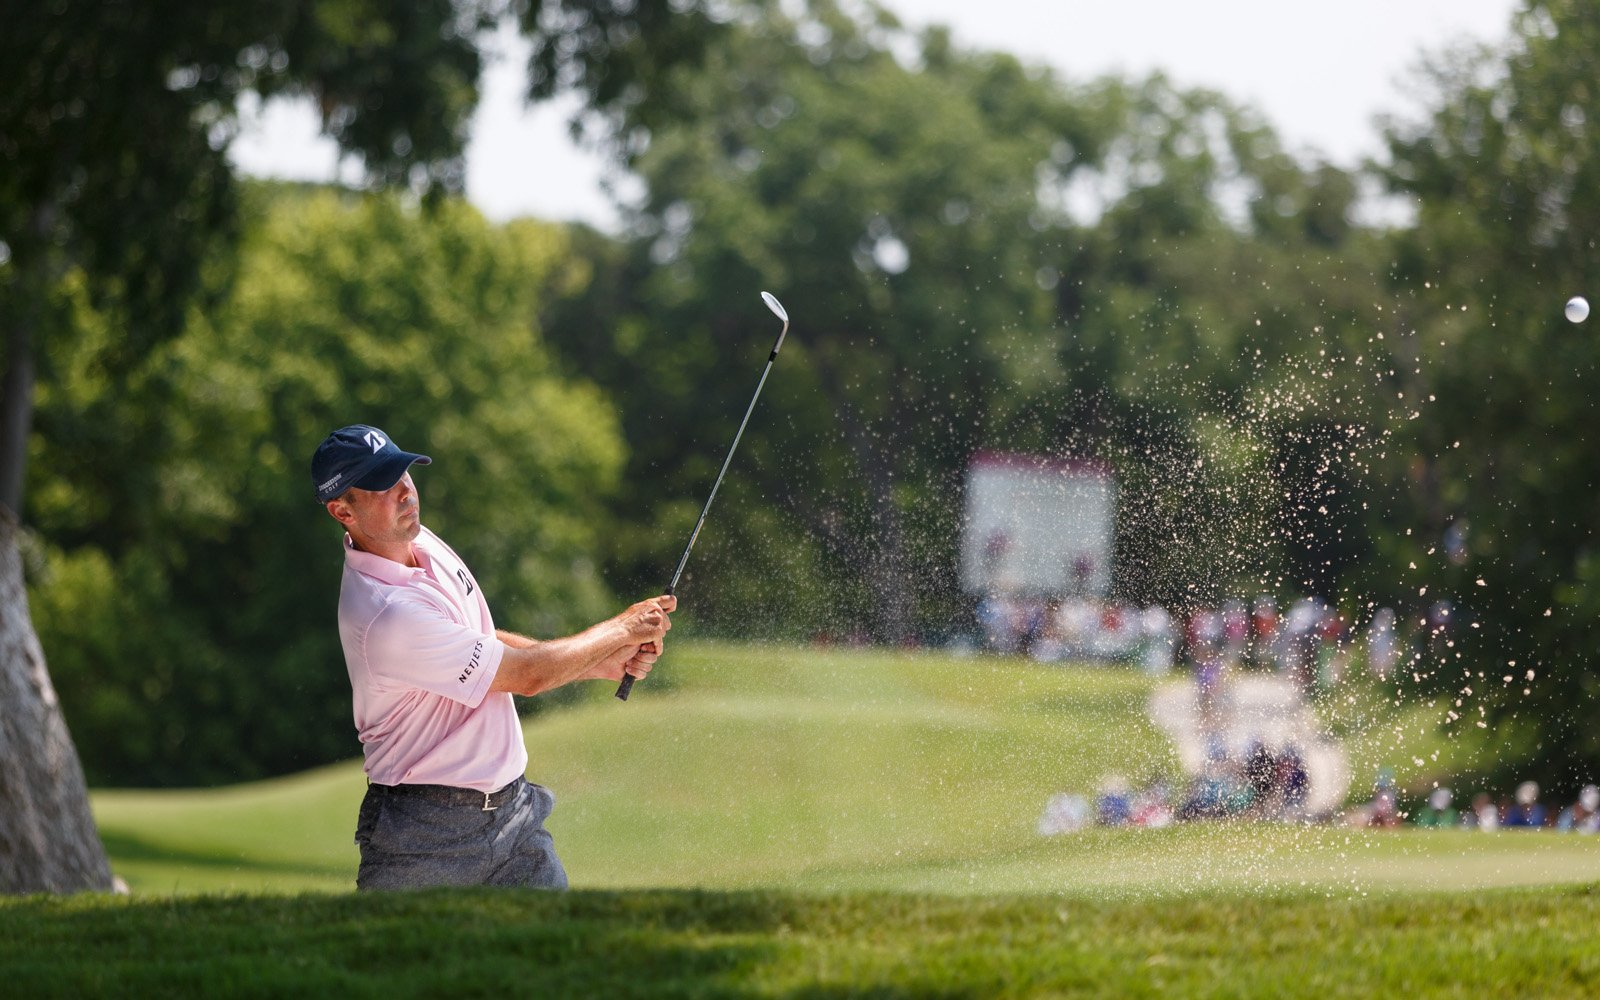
(1037, 526)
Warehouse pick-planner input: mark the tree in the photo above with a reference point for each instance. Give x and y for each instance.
(874, 201)
(1501, 484)
(114, 124)
(922, 225)
(190, 643)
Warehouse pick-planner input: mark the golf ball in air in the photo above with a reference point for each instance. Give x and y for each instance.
(1577, 309)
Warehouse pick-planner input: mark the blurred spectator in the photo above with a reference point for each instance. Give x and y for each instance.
(1331, 654)
(1293, 782)
(1064, 813)
(1483, 815)
(1208, 684)
(1264, 631)
(1217, 791)
(1112, 806)
(1526, 810)
(1297, 649)
(998, 616)
(1149, 807)
(1261, 774)
(1159, 643)
(1583, 816)
(1383, 646)
(1030, 622)
(1077, 621)
(1437, 813)
(1235, 630)
(1202, 635)
(1385, 812)
(1048, 647)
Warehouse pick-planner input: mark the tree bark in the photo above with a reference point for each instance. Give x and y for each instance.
(48, 841)
(16, 412)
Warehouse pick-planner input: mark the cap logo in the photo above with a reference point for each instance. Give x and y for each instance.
(374, 439)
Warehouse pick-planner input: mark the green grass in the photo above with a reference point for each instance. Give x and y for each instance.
(773, 822)
(683, 943)
(748, 767)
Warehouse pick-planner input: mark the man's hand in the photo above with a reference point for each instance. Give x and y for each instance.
(635, 660)
(648, 621)
(645, 625)
(629, 643)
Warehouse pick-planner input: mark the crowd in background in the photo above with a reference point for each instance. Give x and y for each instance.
(1273, 789)
(1313, 642)
(1522, 811)
(1268, 786)
(1078, 628)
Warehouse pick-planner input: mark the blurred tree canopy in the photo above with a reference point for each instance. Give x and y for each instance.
(1503, 483)
(115, 121)
(924, 220)
(188, 603)
(979, 255)
(976, 253)
(117, 198)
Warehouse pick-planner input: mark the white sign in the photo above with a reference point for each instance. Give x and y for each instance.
(1037, 526)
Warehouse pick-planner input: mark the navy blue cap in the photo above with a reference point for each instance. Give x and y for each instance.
(360, 456)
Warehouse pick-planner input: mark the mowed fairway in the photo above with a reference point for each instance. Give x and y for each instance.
(750, 767)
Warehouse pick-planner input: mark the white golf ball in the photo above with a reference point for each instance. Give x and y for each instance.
(1577, 309)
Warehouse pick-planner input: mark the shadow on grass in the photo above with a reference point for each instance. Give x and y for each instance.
(122, 847)
(466, 942)
(799, 946)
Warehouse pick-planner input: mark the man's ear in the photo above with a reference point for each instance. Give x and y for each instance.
(339, 507)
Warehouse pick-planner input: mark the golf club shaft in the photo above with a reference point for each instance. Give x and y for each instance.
(628, 679)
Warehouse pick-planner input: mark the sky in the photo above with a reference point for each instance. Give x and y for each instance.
(1319, 71)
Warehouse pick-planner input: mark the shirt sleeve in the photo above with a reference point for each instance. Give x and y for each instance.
(413, 644)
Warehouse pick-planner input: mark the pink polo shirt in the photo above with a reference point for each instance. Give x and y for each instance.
(422, 654)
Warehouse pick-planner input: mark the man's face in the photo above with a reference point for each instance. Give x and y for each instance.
(390, 517)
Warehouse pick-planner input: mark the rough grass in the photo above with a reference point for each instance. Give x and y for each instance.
(685, 943)
(767, 767)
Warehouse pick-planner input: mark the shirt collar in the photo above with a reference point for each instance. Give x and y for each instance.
(377, 566)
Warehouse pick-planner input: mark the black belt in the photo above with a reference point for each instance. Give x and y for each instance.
(450, 795)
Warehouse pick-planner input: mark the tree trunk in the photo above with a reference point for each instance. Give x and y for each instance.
(16, 412)
(48, 841)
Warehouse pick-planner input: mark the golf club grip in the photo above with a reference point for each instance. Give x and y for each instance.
(628, 679)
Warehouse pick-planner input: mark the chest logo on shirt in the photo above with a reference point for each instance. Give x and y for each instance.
(477, 654)
(465, 580)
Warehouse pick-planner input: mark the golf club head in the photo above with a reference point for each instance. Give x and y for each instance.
(778, 311)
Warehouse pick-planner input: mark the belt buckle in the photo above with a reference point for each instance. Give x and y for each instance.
(486, 806)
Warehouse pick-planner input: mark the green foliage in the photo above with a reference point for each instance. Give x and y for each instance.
(115, 121)
(924, 226)
(1505, 171)
(186, 597)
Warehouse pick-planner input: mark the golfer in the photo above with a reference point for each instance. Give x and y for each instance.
(432, 680)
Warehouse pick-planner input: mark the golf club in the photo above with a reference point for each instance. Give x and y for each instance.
(777, 310)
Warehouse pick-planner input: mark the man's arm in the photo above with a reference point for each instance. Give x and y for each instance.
(629, 642)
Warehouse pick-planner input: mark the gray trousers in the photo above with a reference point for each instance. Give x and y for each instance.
(415, 837)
